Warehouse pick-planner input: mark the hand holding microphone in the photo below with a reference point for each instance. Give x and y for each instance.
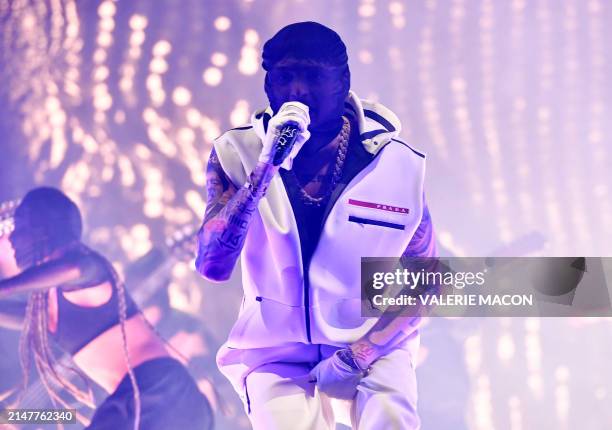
(287, 132)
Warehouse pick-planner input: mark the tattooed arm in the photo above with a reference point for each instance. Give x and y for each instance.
(228, 215)
(394, 325)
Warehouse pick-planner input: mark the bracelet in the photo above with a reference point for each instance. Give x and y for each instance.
(262, 174)
(256, 191)
(347, 357)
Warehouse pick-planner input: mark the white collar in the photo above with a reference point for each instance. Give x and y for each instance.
(377, 124)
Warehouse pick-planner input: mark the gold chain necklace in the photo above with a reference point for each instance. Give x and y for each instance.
(343, 138)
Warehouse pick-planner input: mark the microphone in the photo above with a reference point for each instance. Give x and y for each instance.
(285, 141)
(288, 134)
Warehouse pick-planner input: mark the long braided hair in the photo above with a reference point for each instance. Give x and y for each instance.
(122, 304)
(45, 221)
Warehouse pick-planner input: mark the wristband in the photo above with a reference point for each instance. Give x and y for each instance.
(347, 357)
(261, 175)
(256, 191)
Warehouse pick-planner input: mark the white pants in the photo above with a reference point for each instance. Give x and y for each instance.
(281, 396)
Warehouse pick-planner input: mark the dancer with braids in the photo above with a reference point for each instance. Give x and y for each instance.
(77, 300)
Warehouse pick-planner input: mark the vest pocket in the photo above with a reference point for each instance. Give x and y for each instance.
(265, 322)
(386, 224)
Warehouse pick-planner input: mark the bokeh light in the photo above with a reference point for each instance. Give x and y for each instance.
(119, 104)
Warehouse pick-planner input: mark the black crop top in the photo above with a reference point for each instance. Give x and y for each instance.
(78, 325)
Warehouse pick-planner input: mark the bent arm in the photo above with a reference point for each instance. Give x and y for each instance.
(394, 326)
(229, 212)
(39, 278)
(72, 268)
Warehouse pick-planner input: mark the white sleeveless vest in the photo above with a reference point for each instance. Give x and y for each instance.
(376, 215)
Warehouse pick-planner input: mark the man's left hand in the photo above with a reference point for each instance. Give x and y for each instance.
(336, 378)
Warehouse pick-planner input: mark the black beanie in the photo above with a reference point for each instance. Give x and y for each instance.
(305, 40)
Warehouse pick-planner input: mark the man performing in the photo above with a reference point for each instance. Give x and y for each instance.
(301, 218)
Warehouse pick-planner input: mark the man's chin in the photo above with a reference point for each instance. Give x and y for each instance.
(322, 127)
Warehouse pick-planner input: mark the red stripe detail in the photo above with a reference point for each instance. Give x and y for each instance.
(380, 206)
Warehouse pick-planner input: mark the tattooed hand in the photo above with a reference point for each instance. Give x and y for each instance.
(337, 378)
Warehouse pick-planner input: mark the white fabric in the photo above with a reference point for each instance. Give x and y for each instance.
(280, 396)
(271, 326)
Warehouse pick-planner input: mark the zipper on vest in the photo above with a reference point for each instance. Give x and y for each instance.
(330, 204)
(305, 267)
(307, 302)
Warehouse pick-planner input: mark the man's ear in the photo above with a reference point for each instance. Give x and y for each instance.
(267, 87)
(268, 90)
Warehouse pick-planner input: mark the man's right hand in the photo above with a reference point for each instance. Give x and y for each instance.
(290, 112)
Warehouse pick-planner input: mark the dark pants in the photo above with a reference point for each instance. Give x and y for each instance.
(169, 399)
